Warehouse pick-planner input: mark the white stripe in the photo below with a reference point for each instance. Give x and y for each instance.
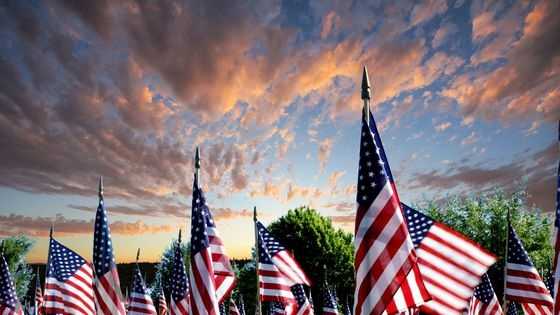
(529, 294)
(379, 203)
(527, 281)
(146, 303)
(276, 292)
(386, 277)
(207, 278)
(443, 295)
(446, 282)
(482, 258)
(224, 287)
(285, 269)
(113, 308)
(84, 300)
(293, 265)
(450, 269)
(525, 268)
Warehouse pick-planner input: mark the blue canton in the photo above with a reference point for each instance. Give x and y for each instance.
(63, 262)
(372, 176)
(138, 285)
(179, 283)
(329, 299)
(103, 259)
(299, 293)
(484, 292)
(268, 245)
(417, 223)
(200, 220)
(8, 295)
(373, 127)
(516, 252)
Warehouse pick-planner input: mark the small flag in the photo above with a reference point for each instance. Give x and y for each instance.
(233, 310)
(523, 282)
(241, 307)
(140, 301)
(303, 306)
(211, 276)
(278, 271)
(512, 308)
(162, 304)
(9, 303)
(107, 287)
(69, 282)
(330, 306)
(484, 300)
(179, 283)
(39, 301)
(451, 264)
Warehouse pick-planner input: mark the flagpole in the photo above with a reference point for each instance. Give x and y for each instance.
(504, 302)
(258, 300)
(366, 94)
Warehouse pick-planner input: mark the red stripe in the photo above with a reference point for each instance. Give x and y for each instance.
(207, 297)
(65, 292)
(67, 305)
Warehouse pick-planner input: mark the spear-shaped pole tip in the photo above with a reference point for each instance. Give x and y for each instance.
(51, 231)
(366, 87)
(179, 236)
(255, 214)
(100, 189)
(197, 158)
(138, 255)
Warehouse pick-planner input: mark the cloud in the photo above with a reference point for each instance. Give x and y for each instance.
(324, 152)
(230, 214)
(331, 24)
(341, 206)
(12, 224)
(443, 33)
(427, 10)
(472, 138)
(442, 126)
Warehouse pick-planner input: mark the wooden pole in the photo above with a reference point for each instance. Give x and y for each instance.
(258, 300)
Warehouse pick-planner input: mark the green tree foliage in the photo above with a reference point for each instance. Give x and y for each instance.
(15, 250)
(164, 270)
(484, 219)
(325, 253)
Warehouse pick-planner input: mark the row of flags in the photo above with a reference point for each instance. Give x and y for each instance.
(405, 263)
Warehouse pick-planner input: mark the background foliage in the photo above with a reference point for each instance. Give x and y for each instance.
(15, 250)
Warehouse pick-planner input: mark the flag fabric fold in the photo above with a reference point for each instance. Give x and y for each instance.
(107, 288)
(162, 303)
(211, 276)
(140, 301)
(330, 305)
(68, 283)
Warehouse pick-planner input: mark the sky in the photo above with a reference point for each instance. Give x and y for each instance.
(466, 94)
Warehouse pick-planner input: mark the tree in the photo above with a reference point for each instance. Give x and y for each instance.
(15, 250)
(484, 219)
(164, 269)
(324, 253)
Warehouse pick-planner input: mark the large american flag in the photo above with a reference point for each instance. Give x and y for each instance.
(278, 271)
(523, 282)
(211, 275)
(484, 300)
(330, 306)
(69, 282)
(179, 284)
(9, 303)
(39, 300)
(303, 305)
(451, 264)
(107, 288)
(140, 301)
(556, 243)
(162, 304)
(384, 253)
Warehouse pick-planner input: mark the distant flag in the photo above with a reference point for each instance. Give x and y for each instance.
(556, 243)
(512, 308)
(278, 271)
(211, 275)
(179, 304)
(162, 304)
(384, 253)
(277, 308)
(223, 309)
(347, 310)
(39, 301)
(451, 264)
(484, 300)
(330, 306)
(140, 301)
(233, 310)
(9, 303)
(107, 287)
(303, 305)
(241, 306)
(68, 283)
(523, 282)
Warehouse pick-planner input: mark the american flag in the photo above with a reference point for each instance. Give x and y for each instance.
(276, 308)
(347, 310)
(384, 253)
(556, 241)
(69, 282)
(536, 309)
(241, 307)
(107, 288)
(9, 303)
(278, 271)
(211, 275)
(140, 301)
(303, 305)
(330, 306)
(233, 310)
(179, 284)
(162, 304)
(523, 282)
(512, 308)
(451, 264)
(39, 301)
(484, 300)
(223, 309)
